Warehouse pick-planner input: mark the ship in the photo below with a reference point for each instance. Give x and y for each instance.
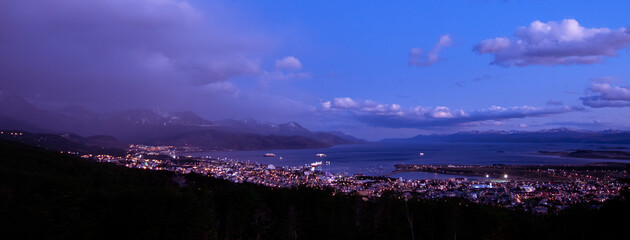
(421, 154)
(269, 155)
(317, 164)
(320, 155)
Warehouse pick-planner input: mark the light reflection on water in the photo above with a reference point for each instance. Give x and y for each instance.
(379, 158)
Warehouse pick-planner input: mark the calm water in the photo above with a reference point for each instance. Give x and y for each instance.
(379, 158)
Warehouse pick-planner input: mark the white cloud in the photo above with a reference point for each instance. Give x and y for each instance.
(222, 87)
(283, 76)
(327, 105)
(286, 69)
(395, 116)
(345, 103)
(606, 95)
(441, 112)
(416, 57)
(554, 43)
(288, 63)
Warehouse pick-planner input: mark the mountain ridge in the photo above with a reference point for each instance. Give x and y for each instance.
(553, 135)
(145, 126)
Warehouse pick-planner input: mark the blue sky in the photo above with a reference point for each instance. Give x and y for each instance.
(373, 69)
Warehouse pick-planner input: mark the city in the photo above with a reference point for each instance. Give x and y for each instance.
(573, 187)
(220, 119)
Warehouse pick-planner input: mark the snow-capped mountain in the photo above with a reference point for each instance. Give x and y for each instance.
(151, 126)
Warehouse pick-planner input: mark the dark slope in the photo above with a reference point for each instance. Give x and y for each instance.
(67, 142)
(47, 195)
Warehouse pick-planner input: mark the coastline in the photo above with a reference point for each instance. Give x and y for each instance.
(544, 173)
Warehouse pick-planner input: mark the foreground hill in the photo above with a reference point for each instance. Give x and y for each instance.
(67, 142)
(47, 195)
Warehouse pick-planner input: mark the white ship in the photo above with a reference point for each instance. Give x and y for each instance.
(320, 155)
(421, 154)
(269, 155)
(317, 164)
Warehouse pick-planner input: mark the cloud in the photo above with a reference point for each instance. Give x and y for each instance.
(116, 52)
(282, 76)
(286, 69)
(222, 87)
(554, 103)
(288, 63)
(418, 59)
(554, 43)
(476, 79)
(394, 116)
(601, 93)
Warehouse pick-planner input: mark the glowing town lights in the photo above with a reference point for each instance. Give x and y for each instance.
(505, 176)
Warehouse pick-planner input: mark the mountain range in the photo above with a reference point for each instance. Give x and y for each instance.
(144, 126)
(556, 135)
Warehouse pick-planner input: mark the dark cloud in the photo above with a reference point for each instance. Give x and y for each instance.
(555, 43)
(601, 94)
(394, 116)
(119, 52)
(419, 59)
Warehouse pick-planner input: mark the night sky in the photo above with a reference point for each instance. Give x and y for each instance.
(372, 69)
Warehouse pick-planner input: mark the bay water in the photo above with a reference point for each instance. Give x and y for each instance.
(375, 159)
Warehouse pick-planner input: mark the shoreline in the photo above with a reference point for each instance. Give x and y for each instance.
(588, 154)
(545, 173)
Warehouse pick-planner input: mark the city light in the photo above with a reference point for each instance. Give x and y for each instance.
(578, 187)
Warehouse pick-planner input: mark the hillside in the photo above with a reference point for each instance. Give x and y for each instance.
(47, 195)
(67, 142)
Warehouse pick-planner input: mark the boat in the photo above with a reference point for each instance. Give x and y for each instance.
(421, 154)
(317, 164)
(320, 155)
(269, 155)
(280, 158)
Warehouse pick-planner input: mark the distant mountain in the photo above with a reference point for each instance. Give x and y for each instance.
(30, 116)
(14, 124)
(146, 126)
(556, 135)
(347, 137)
(217, 140)
(285, 129)
(262, 128)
